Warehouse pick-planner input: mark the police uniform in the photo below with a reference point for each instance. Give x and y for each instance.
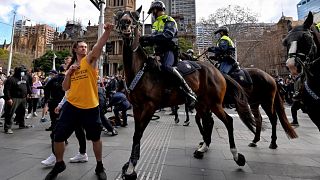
(225, 51)
(165, 38)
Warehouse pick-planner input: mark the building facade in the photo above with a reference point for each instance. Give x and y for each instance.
(260, 46)
(32, 39)
(205, 35)
(304, 6)
(184, 12)
(74, 32)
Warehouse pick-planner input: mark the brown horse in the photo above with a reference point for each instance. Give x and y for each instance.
(263, 92)
(155, 90)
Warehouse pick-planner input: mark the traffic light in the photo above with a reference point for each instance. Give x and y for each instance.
(109, 47)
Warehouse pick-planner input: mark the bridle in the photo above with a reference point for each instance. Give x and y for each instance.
(302, 58)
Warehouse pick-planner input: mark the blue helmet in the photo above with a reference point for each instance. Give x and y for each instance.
(157, 5)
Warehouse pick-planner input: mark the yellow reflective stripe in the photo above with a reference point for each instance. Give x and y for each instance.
(226, 38)
(318, 26)
(159, 24)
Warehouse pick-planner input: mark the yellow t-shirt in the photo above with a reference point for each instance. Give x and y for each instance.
(83, 92)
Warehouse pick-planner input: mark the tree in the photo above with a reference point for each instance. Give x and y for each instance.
(244, 29)
(184, 44)
(18, 59)
(45, 61)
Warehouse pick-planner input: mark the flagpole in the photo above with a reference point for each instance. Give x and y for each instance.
(74, 11)
(11, 46)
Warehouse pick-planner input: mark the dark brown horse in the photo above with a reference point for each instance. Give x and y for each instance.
(303, 43)
(155, 90)
(263, 92)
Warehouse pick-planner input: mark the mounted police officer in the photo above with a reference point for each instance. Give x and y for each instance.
(225, 50)
(165, 38)
(190, 53)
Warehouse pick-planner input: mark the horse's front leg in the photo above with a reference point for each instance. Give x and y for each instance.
(142, 117)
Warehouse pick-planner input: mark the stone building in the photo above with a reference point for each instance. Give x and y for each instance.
(260, 46)
(33, 40)
(74, 31)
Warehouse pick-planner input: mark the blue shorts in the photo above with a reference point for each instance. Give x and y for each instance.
(72, 117)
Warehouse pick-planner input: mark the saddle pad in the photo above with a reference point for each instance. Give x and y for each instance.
(187, 67)
(242, 77)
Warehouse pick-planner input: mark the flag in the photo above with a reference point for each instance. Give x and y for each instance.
(74, 4)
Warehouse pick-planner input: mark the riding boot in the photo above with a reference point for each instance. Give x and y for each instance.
(192, 97)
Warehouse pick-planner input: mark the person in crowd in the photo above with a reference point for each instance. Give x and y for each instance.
(2, 101)
(52, 73)
(16, 90)
(53, 94)
(34, 98)
(120, 103)
(81, 108)
(103, 110)
(122, 87)
(297, 102)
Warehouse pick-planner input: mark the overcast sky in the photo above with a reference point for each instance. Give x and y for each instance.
(56, 12)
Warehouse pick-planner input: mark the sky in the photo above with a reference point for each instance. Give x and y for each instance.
(57, 12)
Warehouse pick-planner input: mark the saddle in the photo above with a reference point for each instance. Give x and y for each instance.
(242, 77)
(187, 67)
(184, 67)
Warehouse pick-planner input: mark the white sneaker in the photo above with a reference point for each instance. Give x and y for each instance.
(29, 116)
(50, 161)
(79, 158)
(35, 114)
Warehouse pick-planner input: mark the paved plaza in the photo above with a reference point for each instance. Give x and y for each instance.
(167, 153)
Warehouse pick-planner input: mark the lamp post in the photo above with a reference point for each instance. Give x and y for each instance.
(100, 5)
(11, 46)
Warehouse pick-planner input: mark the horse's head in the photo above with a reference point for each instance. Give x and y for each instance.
(127, 21)
(301, 45)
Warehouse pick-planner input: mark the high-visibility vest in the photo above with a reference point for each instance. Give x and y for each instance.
(226, 38)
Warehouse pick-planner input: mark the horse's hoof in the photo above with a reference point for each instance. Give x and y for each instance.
(198, 155)
(241, 160)
(132, 176)
(200, 145)
(252, 144)
(273, 146)
(177, 120)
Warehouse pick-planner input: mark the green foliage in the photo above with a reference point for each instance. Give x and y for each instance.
(45, 62)
(184, 44)
(18, 59)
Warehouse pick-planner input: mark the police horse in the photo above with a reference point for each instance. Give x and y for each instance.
(151, 89)
(303, 43)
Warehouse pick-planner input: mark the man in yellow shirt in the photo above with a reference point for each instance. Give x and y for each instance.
(81, 108)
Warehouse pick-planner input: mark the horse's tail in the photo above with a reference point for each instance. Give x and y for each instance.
(279, 108)
(241, 101)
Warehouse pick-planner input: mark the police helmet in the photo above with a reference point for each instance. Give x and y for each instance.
(190, 51)
(157, 5)
(224, 29)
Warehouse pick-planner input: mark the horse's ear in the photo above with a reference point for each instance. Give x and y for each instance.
(289, 25)
(139, 9)
(309, 21)
(136, 14)
(117, 15)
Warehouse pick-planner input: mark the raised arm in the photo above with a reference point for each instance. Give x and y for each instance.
(95, 53)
